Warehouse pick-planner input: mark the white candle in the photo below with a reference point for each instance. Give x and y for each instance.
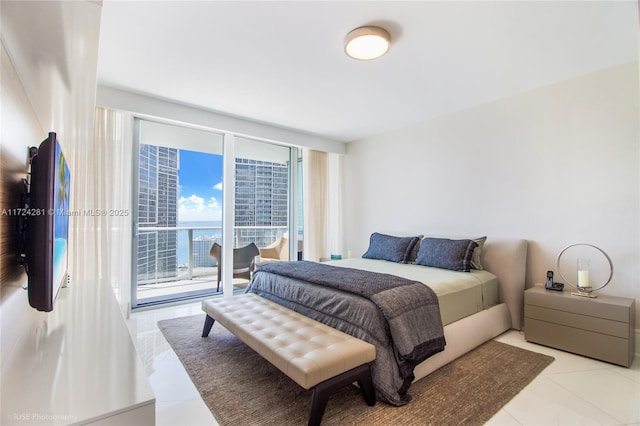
(583, 272)
(583, 278)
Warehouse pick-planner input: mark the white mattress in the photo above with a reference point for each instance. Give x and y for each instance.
(460, 294)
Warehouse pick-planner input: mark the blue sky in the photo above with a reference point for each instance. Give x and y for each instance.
(200, 187)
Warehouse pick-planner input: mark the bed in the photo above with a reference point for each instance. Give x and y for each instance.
(486, 303)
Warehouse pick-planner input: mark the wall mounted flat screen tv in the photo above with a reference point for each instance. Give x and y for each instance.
(47, 224)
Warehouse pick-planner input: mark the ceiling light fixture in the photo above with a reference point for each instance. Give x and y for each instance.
(367, 43)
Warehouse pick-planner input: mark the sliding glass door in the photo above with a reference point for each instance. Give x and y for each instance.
(177, 211)
(179, 202)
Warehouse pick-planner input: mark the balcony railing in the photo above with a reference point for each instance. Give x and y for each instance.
(161, 252)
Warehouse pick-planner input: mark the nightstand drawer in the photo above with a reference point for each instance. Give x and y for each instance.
(611, 308)
(599, 328)
(582, 342)
(583, 322)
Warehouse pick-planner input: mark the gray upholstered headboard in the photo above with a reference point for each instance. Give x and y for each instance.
(507, 259)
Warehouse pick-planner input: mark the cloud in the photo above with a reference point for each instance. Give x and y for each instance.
(218, 186)
(197, 209)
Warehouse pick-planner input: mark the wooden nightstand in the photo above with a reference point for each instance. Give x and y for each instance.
(600, 328)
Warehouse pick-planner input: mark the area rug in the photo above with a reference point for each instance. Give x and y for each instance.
(241, 388)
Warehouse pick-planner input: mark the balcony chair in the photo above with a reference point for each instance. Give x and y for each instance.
(243, 260)
(277, 250)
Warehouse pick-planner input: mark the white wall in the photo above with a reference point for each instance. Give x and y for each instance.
(556, 166)
(77, 363)
(49, 63)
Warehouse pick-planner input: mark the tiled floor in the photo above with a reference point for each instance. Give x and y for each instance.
(572, 391)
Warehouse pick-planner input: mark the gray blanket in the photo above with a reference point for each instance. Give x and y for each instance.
(400, 317)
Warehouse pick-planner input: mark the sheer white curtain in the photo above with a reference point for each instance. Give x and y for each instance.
(102, 185)
(314, 193)
(335, 213)
(322, 201)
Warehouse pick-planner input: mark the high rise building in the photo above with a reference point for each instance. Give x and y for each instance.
(261, 206)
(262, 200)
(157, 206)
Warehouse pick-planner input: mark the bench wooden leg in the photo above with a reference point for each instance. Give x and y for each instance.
(208, 323)
(323, 390)
(366, 384)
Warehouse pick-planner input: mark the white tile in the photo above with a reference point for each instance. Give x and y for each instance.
(503, 418)
(566, 362)
(612, 393)
(184, 413)
(632, 372)
(170, 381)
(609, 389)
(544, 402)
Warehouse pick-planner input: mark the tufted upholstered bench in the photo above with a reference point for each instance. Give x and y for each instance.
(312, 354)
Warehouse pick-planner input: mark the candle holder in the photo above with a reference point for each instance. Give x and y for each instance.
(584, 287)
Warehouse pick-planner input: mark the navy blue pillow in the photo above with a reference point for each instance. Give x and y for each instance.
(446, 254)
(388, 247)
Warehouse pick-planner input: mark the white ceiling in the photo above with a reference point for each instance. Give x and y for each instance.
(283, 62)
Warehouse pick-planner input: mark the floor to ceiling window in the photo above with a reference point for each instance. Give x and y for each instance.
(179, 208)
